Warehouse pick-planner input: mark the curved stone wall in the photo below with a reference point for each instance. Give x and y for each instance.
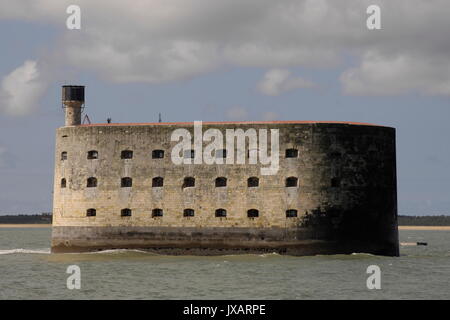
(344, 199)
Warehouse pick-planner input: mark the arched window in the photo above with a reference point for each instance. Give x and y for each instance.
(92, 155)
(253, 182)
(125, 212)
(291, 213)
(126, 182)
(222, 153)
(253, 213)
(91, 212)
(291, 182)
(188, 213)
(63, 183)
(157, 154)
(126, 154)
(291, 153)
(221, 182)
(157, 182)
(335, 182)
(157, 213)
(91, 182)
(189, 154)
(221, 213)
(188, 182)
(63, 155)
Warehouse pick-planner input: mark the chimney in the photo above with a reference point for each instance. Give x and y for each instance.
(73, 103)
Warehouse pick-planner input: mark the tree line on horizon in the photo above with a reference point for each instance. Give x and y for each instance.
(441, 220)
(46, 218)
(43, 218)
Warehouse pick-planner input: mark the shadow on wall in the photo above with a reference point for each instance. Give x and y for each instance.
(334, 223)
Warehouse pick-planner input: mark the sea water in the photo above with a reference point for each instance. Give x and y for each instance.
(29, 271)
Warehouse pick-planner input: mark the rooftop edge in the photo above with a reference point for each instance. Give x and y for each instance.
(227, 122)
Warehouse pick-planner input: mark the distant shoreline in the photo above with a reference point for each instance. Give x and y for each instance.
(447, 228)
(25, 225)
(42, 225)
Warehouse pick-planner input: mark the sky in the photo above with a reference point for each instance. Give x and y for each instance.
(216, 60)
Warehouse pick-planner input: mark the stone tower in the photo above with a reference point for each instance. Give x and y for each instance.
(73, 103)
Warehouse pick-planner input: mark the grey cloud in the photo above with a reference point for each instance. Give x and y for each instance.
(161, 41)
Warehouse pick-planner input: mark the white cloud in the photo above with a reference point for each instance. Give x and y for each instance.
(21, 90)
(159, 41)
(277, 81)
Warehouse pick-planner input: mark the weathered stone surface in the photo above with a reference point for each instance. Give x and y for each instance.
(358, 213)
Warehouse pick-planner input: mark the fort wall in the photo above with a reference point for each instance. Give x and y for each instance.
(344, 199)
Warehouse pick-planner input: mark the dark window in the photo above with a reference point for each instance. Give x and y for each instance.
(221, 182)
(126, 182)
(189, 154)
(188, 213)
(63, 183)
(157, 154)
(188, 182)
(92, 154)
(291, 182)
(336, 182)
(126, 154)
(253, 213)
(157, 182)
(91, 212)
(91, 182)
(252, 182)
(64, 155)
(157, 213)
(291, 213)
(221, 213)
(221, 153)
(291, 153)
(125, 212)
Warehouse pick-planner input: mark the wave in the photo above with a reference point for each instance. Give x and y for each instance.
(115, 251)
(363, 254)
(21, 250)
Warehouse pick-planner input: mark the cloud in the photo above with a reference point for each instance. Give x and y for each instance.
(21, 90)
(277, 81)
(397, 74)
(161, 41)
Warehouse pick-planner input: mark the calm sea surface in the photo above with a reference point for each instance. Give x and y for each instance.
(29, 271)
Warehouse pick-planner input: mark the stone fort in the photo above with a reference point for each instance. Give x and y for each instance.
(116, 186)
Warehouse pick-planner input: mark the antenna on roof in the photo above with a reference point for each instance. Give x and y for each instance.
(86, 119)
(159, 120)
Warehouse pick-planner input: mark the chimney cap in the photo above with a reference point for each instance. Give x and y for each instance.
(72, 93)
